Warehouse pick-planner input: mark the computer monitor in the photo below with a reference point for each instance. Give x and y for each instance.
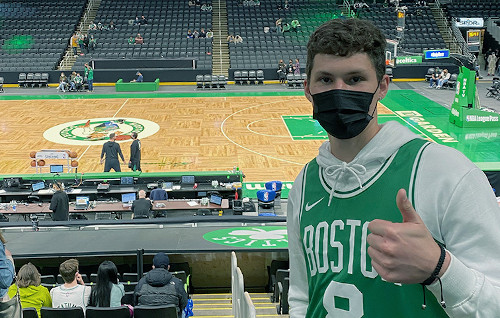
(126, 180)
(167, 185)
(202, 194)
(80, 201)
(215, 199)
(56, 168)
(187, 179)
(38, 186)
(128, 197)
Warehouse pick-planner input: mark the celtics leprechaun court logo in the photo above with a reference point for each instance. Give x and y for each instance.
(95, 131)
(250, 237)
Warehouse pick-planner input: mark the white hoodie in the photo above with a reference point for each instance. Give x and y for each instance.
(456, 203)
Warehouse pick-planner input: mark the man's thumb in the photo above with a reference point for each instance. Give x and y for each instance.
(407, 211)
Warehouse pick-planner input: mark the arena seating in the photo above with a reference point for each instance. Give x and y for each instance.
(34, 34)
(164, 35)
(211, 81)
(472, 8)
(264, 50)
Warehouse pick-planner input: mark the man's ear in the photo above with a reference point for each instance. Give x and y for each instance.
(168, 267)
(307, 92)
(383, 87)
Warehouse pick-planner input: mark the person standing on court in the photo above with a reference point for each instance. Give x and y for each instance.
(111, 150)
(59, 204)
(135, 153)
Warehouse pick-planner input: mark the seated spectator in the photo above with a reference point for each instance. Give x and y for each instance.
(159, 287)
(202, 34)
(73, 293)
(443, 78)
(139, 39)
(206, 7)
(434, 78)
(281, 71)
(72, 81)
(7, 270)
(144, 21)
(210, 33)
(63, 81)
(141, 207)
(238, 39)
(32, 293)
(190, 35)
(92, 26)
(278, 24)
(137, 21)
(196, 34)
(191, 3)
(99, 26)
(131, 40)
(139, 78)
(230, 38)
(285, 27)
(290, 68)
(78, 82)
(295, 24)
(111, 26)
(107, 292)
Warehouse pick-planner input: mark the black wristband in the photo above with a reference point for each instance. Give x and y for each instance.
(436, 271)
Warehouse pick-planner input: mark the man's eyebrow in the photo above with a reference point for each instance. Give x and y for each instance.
(353, 72)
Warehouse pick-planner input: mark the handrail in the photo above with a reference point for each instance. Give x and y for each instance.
(242, 304)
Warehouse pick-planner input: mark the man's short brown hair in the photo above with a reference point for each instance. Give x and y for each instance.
(346, 37)
(68, 270)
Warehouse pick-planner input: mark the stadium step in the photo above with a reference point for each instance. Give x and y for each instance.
(220, 48)
(449, 39)
(220, 305)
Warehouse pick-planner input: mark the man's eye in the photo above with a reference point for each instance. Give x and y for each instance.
(325, 80)
(355, 79)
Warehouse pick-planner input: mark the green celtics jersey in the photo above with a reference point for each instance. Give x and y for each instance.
(342, 282)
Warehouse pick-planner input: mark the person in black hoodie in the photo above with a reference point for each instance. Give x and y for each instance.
(111, 149)
(160, 287)
(59, 203)
(135, 154)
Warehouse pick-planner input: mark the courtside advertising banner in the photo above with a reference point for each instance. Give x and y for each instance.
(402, 60)
(470, 22)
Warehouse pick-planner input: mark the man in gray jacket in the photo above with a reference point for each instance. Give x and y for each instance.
(160, 287)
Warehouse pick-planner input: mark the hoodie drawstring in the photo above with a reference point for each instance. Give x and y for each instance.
(336, 171)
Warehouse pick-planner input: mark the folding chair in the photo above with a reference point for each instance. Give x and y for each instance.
(1, 84)
(199, 81)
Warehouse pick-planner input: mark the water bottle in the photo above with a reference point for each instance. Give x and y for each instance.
(14, 205)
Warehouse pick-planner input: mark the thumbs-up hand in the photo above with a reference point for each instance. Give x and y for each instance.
(403, 252)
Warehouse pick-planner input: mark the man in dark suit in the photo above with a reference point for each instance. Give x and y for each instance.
(135, 154)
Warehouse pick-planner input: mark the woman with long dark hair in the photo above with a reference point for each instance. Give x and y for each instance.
(107, 292)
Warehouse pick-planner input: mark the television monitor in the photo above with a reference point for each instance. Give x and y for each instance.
(128, 197)
(202, 194)
(80, 201)
(126, 180)
(215, 199)
(187, 179)
(167, 185)
(38, 186)
(56, 168)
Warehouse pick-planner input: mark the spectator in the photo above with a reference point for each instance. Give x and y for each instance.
(63, 81)
(139, 39)
(73, 293)
(90, 76)
(230, 38)
(80, 43)
(99, 26)
(285, 27)
(210, 33)
(137, 21)
(202, 34)
(238, 39)
(139, 78)
(282, 71)
(144, 21)
(74, 44)
(492, 63)
(434, 78)
(7, 270)
(86, 43)
(32, 293)
(206, 7)
(296, 67)
(278, 25)
(72, 81)
(191, 3)
(295, 24)
(159, 287)
(141, 208)
(189, 35)
(290, 68)
(92, 26)
(196, 34)
(111, 25)
(443, 78)
(107, 292)
(59, 204)
(78, 82)
(92, 43)
(131, 40)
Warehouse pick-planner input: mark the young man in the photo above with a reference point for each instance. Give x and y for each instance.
(59, 204)
(357, 246)
(73, 293)
(111, 150)
(135, 153)
(160, 287)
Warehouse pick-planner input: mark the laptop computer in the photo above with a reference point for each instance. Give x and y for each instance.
(167, 186)
(128, 199)
(82, 203)
(215, 199)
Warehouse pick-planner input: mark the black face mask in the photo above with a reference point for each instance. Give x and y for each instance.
(343, 113)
